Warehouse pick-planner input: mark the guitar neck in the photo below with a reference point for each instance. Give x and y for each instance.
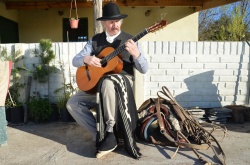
(122, 47)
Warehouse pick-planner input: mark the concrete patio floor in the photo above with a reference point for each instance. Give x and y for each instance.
(69, 144)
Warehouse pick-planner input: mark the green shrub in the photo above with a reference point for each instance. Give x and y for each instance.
(40, 109)
(46, 55)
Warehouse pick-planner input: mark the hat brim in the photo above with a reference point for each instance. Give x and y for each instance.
(120, 16)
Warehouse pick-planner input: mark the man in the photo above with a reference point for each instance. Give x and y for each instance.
(132, 57)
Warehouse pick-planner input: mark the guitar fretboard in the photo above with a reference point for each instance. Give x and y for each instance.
(122, 47)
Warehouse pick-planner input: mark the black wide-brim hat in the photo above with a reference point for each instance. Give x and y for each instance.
(111, 11)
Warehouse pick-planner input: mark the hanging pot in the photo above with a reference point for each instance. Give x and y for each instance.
(73, 21)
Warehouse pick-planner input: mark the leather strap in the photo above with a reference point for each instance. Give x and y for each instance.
(161, 122)
(192, 126)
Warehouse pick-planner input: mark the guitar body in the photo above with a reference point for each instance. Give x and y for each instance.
(87, 77)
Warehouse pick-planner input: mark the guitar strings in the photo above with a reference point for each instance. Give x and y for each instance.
(122, 47)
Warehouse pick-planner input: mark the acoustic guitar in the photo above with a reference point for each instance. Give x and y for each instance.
(87, 76)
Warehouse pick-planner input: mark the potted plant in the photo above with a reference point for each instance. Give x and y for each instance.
(15, 110)
(64, 94)
(73, 20)
(61, 104)
(42, 73)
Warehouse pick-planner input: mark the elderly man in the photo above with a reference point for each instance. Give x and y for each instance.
(80, 103)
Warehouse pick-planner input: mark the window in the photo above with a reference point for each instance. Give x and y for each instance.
(8, 31)
(75, 35)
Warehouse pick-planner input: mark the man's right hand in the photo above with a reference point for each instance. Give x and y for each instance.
(92, 60)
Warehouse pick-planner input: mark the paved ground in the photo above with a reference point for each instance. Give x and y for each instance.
(68, 144)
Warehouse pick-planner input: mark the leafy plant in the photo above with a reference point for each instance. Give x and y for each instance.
(12, 99)
(40, 109)
(62, 101)
(66, 89)
(4, 56)
(46, 56)
(225, 23)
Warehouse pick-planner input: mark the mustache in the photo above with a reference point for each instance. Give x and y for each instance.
(114, 29)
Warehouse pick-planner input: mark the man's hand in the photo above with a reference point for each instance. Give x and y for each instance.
(92, 61)
(132, 48)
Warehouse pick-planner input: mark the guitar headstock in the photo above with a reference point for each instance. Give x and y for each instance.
(157, 26)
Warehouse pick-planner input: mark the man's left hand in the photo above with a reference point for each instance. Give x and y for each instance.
(132, 48)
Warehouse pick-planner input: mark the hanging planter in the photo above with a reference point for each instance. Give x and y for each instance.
(73, 20)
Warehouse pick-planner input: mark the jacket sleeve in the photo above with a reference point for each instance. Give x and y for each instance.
(141, 62)
(78, 59)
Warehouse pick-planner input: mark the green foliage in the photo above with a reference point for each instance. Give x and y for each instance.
(40, 109)
(67, 91)
(4, 56)
(46, 56)
(237, 27)
(66, 88)
(232, 24)
(45, 44)
(62, 101)
(13, 100)
(41, 73)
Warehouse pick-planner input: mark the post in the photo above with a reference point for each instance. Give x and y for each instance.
(3, 125)
(97, 13)
(27, 99)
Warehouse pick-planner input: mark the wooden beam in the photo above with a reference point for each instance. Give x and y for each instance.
(144, 3)
(44, 5)
(85, 4)
(215, 3)
(198, 4)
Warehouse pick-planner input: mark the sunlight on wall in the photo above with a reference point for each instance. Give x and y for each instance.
(182, 23)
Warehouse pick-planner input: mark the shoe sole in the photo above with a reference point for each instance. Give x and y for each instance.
(102, 153)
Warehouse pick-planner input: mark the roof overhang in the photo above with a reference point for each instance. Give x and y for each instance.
(198, 5)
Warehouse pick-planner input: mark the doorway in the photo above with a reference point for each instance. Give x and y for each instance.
(8, 31)
(75, 35)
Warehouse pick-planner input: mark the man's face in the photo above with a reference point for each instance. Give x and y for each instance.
(112, 26)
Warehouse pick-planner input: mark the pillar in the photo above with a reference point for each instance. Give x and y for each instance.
(3, 127)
